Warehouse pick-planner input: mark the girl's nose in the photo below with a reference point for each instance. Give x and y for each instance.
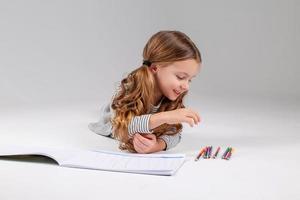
(185, 86)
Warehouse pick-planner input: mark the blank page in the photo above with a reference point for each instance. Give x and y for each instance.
(164, 164)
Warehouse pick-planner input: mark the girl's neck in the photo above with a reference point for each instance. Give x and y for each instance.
(157, 94)
(157, 98)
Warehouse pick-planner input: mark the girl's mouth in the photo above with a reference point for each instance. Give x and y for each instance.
(176, 92)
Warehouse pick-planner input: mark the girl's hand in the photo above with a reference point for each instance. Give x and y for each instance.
(181, 115)
(147, 143)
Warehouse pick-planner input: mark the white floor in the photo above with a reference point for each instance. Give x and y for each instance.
(264, 131)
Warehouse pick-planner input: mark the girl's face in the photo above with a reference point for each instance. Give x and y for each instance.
(174, 79)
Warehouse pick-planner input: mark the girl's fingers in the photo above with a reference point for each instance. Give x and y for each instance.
(189, 113)
(147, 139)
(194, 115)
(149, 136)
(189, 120)
(197, 116)
(142, 140)
(137, 146)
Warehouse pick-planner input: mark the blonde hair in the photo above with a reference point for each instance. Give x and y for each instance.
(136, 91)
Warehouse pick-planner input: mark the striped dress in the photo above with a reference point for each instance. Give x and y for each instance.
(138, 124)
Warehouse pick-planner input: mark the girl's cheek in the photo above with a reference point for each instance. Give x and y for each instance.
(178, 83)
(175, 81)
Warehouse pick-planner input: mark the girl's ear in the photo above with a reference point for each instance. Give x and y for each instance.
(153, 68)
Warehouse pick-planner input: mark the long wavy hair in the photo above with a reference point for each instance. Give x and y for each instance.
(136, 91)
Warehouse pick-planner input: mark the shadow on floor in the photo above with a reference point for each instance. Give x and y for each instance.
(30, 158)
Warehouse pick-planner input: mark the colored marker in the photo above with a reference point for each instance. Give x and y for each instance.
(216, 154)
(228, 153)
(210, 151)
(228, 156)
(205, 153)
(224, 154)
(200, 154)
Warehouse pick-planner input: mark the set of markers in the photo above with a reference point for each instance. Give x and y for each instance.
(206, 152)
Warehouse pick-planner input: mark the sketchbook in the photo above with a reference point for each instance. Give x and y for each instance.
(154, 164)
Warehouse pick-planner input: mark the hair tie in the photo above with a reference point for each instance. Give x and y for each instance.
(147, 62)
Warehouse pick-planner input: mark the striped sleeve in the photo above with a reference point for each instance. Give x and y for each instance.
(171, 140)
(139, 124)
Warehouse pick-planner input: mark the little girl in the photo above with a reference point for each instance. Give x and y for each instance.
(147, 112)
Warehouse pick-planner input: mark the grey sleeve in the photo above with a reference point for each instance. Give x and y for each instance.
(139, 124)
(103, 126)
(171, 140)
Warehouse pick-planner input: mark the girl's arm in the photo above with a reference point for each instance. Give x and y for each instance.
(149, 143)
(145, 123)
(171, 141)
(156, 120)
(139, 124)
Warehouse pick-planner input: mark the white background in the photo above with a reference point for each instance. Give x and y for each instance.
(59, 60)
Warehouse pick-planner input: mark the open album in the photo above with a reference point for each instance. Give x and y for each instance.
(155, 164)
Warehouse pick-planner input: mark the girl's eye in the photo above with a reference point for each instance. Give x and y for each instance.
(180, 78)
